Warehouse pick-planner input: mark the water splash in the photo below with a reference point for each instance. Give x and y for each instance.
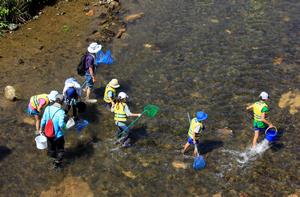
(241, 159)
(250, 154)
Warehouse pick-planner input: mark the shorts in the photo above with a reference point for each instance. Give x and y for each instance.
(88, 81)
(191, 141)
(259, 126)
(32, 112)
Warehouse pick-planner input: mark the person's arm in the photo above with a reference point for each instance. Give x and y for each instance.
(250, 107)
(44, 119)
(92, 74)
(128, 112)
(90, 66)
(110, 95)
(42, 102)
(263, 119)
(196, 130)
(61, 120)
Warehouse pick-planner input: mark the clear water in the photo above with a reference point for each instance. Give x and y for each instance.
(206, 55)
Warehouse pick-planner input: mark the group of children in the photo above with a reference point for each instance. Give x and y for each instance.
(71, 97)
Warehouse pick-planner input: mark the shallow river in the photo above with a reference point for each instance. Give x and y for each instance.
(183, 56)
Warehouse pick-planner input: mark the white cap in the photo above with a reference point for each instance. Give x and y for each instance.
(94, 47)
(52, 95)
(122, 95)
(264, 95)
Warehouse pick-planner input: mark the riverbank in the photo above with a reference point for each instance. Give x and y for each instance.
(37, 58)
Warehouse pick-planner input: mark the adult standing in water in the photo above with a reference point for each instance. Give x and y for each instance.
(56, 145)
(121, 112)
(37, 103)
(196, 127)
(90, 67)
(260, 110)
(72, 95)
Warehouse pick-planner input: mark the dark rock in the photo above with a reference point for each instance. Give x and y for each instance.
(20, 61)
(41, 47)
(86, 8)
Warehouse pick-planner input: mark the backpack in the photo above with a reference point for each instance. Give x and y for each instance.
(49, 128)
(81, 66)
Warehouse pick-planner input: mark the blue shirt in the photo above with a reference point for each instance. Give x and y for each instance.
(58, 119)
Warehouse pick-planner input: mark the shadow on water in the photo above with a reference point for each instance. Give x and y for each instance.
(209, 145)
(91, 113)
(99, 92)
(277, 145)
(138, 133)
(4, 151)
(80, 150)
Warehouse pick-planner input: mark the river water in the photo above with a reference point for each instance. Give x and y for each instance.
(183, 56)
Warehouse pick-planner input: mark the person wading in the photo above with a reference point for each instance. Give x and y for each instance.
(37, 103)
(110, 93)
(260, 110)
(57, 142)
(72, 95)
(90, 68)
(121, 112)
(196, 127)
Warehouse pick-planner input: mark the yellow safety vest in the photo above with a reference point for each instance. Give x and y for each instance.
(107, 89)
(120, 114)
(193, 125)
(34, 100)
(257, 107)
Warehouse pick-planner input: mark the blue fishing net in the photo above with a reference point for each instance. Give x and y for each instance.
(104, 58)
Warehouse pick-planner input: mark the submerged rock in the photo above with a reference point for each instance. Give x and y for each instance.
(290, 100)
(71, 186)
(28, 120)
(179, 165)
(217, 195)
(133, 17)
(10, 93)
(129, 174)
(225, 131)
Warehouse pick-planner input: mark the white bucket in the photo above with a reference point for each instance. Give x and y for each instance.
(70, 123)
(41, 142)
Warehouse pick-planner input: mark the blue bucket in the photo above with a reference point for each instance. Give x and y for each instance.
(271, 134)
(199, 163)
(81, 124)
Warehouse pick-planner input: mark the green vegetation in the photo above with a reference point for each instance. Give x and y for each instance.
(19, 11)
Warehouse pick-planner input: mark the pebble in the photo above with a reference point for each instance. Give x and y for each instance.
(133, 17)
(179, 165)
(10, 93)
(12, 27)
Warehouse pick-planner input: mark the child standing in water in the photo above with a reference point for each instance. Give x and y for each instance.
(121, 112)
(110, 93)
(196, 127)
(260, 123)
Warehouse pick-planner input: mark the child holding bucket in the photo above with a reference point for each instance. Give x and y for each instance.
(196, 127)
(260, 123)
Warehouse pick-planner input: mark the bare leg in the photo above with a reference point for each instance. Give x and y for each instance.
(186, 146)
(88, 92)
(37, 122)
(255, 138)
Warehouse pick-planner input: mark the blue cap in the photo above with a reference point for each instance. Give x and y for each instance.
(200, 115)
(71, 92)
